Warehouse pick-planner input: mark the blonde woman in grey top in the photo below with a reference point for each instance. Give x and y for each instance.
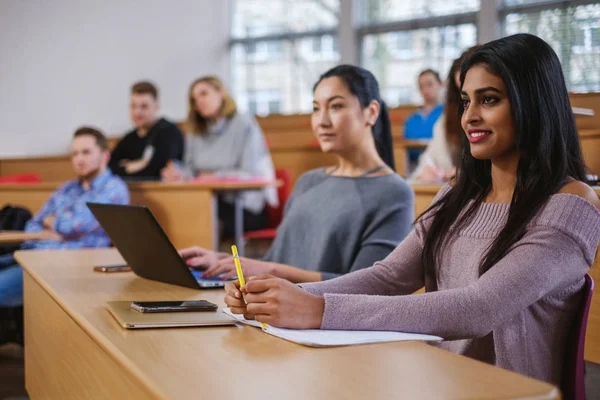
(224, 142)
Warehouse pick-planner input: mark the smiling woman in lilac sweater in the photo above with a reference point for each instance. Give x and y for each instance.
(502, 252)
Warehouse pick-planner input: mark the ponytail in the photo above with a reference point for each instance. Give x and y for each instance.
(382, 133)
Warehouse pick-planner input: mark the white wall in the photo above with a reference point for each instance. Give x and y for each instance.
(65, 63)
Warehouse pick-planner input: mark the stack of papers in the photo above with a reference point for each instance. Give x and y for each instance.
(329, 338)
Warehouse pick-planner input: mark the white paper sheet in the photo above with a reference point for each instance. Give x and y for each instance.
(328, 338)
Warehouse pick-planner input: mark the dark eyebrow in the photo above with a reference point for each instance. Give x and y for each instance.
(333, 98)
(482, 90)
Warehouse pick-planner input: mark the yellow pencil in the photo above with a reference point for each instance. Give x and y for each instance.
(240, 273)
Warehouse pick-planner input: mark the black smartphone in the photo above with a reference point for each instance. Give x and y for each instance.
(173, 306)
(112, 268)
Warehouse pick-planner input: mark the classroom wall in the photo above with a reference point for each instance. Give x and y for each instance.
(64, 63)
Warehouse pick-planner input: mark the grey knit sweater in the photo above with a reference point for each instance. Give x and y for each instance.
(336, 224)
(234, 147)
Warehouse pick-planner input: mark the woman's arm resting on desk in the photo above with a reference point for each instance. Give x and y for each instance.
(532, 270)
(256, 267)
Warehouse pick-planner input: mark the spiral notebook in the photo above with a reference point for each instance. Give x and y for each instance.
(330, 338)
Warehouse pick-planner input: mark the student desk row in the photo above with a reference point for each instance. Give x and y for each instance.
(297, 156)
(75, 349)
(424, 194)
(186, 211)
(294, 151)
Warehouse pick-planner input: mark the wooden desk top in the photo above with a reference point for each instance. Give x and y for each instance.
(426, 188)
(161, 186)
(584, 133)
(183, 363)
(413, 143)
(225, 185)
(9, 237)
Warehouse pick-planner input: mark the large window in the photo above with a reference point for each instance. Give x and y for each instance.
(400, 39)
(280, 47)
(397, 58)
(402, 10)
(278, 51)
(573, 31)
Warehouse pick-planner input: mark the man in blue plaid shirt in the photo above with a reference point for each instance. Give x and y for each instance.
(65, 222)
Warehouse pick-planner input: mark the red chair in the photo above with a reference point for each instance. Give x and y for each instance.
(274, 214)
(21, 178)
(573, 381)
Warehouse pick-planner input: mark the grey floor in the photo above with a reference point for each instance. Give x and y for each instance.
(592, 381)
(12, 377)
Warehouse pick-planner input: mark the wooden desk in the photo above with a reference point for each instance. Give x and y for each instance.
(75, 349)
(592, 337)
(50, 169)
(424, 195)
(590, 146)
(15, 237)
(185, 211)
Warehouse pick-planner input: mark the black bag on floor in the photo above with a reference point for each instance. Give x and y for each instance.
(13, 219)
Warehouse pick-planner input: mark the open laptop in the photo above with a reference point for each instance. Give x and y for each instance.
(131, 319)
(145, 246)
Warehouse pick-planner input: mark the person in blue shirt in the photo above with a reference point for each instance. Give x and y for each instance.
(420, 124)
(65, 221)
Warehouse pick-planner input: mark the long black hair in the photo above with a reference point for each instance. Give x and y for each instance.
(546, 140)
(364, 86)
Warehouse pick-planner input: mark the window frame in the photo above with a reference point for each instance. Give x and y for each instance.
(489, 22)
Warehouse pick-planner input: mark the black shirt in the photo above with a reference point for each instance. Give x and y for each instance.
(164, 136)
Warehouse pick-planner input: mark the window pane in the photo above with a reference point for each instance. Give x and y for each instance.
(397, 58)
(509, 3)
(574, 33)
(401, 10)
(253, 18)
(279, 78)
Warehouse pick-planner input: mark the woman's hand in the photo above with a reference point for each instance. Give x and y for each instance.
(431, 174)
(280, 303)
(199, 258)
(449, 174)
(226, 267)
(171, 173)
(205, 174)
(235, 300)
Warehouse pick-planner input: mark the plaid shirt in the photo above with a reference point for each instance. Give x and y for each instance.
(74, 221)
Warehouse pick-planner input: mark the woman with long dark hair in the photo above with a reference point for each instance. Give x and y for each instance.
(503, 249)
(345, 217)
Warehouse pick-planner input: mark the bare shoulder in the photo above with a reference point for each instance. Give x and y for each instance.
(580, 189)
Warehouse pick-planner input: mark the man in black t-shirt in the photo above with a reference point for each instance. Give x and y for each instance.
(144, 151)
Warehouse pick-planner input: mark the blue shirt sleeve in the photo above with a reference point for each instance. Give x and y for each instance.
(49, 208)
(412, 127)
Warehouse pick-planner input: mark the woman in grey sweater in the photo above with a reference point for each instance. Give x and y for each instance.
(502, 252)
(223, 142)
(343, 218)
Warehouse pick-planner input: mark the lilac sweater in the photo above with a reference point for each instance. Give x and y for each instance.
(517, 315)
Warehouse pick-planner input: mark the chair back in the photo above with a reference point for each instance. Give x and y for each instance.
(275, 214)
(573, 381)
(21, 178)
